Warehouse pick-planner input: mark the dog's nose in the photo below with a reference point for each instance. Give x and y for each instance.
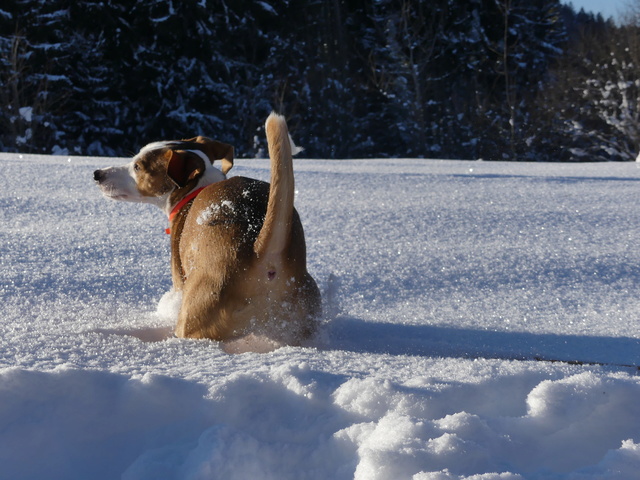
(98, 175)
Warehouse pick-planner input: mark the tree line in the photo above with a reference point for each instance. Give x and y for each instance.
(527, 80)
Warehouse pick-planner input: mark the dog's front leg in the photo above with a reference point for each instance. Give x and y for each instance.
(177, 272)
(177, 269)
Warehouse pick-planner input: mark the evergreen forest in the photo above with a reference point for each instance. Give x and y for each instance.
(522, 80)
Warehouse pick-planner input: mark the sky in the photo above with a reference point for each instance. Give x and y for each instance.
(608, 8)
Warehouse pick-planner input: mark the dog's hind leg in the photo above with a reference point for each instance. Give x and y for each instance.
(201, 313)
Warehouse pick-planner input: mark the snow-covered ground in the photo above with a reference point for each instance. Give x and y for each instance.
(452, 277)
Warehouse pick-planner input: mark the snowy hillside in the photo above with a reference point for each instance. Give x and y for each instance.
(452, 278)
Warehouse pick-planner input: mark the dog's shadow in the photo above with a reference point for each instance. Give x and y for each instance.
(360, 336)
(366, 337)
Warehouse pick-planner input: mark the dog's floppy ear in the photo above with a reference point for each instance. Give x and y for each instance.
(216, 151)
(182, 167)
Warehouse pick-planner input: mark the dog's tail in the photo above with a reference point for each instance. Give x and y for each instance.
(275, 233)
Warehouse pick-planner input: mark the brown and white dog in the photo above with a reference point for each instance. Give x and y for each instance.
(238, 252)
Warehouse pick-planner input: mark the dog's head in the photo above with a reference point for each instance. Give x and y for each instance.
(162, 168)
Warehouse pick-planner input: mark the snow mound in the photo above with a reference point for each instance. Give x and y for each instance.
(292, 419)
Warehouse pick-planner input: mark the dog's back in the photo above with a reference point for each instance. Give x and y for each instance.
(242, 256)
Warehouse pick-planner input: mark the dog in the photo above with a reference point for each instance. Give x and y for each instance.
(238, 252)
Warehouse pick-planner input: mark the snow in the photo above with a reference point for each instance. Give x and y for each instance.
(208, 213)
(267, 8)
(443, 282)
(26, 113)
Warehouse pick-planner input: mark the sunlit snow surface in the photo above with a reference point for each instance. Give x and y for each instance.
(449, 279)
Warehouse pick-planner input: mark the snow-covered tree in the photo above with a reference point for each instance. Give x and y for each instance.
(596, 95)
(465, 74)
(33, 87)
(355, 78)
(613, 95)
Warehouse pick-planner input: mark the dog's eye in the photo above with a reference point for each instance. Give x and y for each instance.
(136, 167)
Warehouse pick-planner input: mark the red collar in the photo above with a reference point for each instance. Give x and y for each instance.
(182, 203)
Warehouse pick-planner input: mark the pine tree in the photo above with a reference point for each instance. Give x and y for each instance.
(599, 117)
(34, 75)
(355, 78)
(521, 39)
